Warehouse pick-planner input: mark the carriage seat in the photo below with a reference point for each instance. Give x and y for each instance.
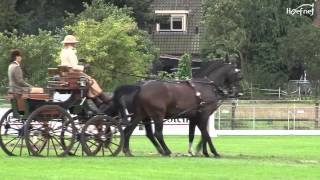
(19, 99)
(34, 96)
(64, 78)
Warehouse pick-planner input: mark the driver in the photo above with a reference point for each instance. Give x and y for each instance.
(69, 58)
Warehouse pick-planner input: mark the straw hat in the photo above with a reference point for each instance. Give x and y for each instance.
(69, 39)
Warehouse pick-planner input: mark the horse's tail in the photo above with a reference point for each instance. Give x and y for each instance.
(124, 99)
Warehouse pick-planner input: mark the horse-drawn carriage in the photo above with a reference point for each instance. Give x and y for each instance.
(41, 125)
(38, 124)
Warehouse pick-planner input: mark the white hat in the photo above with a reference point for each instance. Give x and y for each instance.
(69, 39)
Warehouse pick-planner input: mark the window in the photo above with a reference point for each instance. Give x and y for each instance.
(176, 22)
(171, 20)
(164, 23)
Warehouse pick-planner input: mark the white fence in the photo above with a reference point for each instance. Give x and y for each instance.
(253, 118)
(268, 118)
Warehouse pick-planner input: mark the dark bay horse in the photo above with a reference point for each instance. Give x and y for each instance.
(195, 99)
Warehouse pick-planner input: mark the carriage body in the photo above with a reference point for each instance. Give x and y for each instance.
(60, 81)
(41, 116)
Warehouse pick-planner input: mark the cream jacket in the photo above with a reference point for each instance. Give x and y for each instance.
(69, 58)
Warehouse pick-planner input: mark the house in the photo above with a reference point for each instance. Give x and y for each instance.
(176, 30)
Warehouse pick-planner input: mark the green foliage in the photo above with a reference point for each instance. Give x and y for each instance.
(27, 16)
(184, 67)
(111, 42)
(8, 15)
(256, 31)
(38, 53)
(163, 75)
(97, 10)
(141, 10)
(301, 46)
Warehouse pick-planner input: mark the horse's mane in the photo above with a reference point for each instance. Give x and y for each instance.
(209, 66)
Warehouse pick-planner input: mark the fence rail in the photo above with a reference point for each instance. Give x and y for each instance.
(295, 89)
(268, 115)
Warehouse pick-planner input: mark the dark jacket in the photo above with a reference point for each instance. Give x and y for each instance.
(16, 82)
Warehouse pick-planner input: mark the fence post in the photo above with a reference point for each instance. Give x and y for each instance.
(219, 119)
(294, 116)
(316, 118)
(279, 93)
(299, 91)
(251, 93)
(233, 115)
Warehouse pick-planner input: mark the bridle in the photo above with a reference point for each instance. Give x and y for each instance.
(215, 87)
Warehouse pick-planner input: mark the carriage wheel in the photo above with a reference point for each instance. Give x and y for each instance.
(76, 150)
(43, 131)
(11, 135)
(102, 136)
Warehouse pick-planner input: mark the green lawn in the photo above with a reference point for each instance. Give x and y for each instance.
(256, 158)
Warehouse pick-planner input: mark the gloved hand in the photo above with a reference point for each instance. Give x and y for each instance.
(82, 60)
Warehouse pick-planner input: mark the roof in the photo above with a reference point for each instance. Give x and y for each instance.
(177, 43)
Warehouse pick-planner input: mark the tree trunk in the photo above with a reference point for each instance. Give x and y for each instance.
(316, 19)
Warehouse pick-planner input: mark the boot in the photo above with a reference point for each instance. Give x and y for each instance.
(105, 99)
(97, 101)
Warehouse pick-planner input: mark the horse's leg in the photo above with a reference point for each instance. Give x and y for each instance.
(150, 135)
(202, 125)
(212, 148)
(127, 134)
(192, 128)
(206, 137)
(199, 147)
(158, 126)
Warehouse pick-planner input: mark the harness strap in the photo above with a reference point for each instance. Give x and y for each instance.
(197, 92)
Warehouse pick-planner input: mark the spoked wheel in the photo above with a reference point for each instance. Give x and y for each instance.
(76, 150)
(43, 131)
(102, 136)
(12, 135)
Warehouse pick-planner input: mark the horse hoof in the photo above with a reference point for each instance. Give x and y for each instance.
(166, 154)
(206, 155)
(160, 151)
(190, 153)
(217, 156)
(128, 154)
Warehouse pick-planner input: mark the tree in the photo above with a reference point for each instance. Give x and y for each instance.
(301, 47)
(8, 15)
(184, 68)
(45, 14)
(316, 20)
(112, 43)
(140, 9)
(39, 53)
(253, 30)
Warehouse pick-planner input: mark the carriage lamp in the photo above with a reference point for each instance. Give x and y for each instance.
(82, 81)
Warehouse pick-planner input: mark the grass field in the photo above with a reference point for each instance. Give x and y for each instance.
(249, 158)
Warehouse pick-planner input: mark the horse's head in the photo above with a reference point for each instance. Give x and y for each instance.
(225, 76)
(232, 81)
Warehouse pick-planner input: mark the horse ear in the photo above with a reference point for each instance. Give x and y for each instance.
(227, 59)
